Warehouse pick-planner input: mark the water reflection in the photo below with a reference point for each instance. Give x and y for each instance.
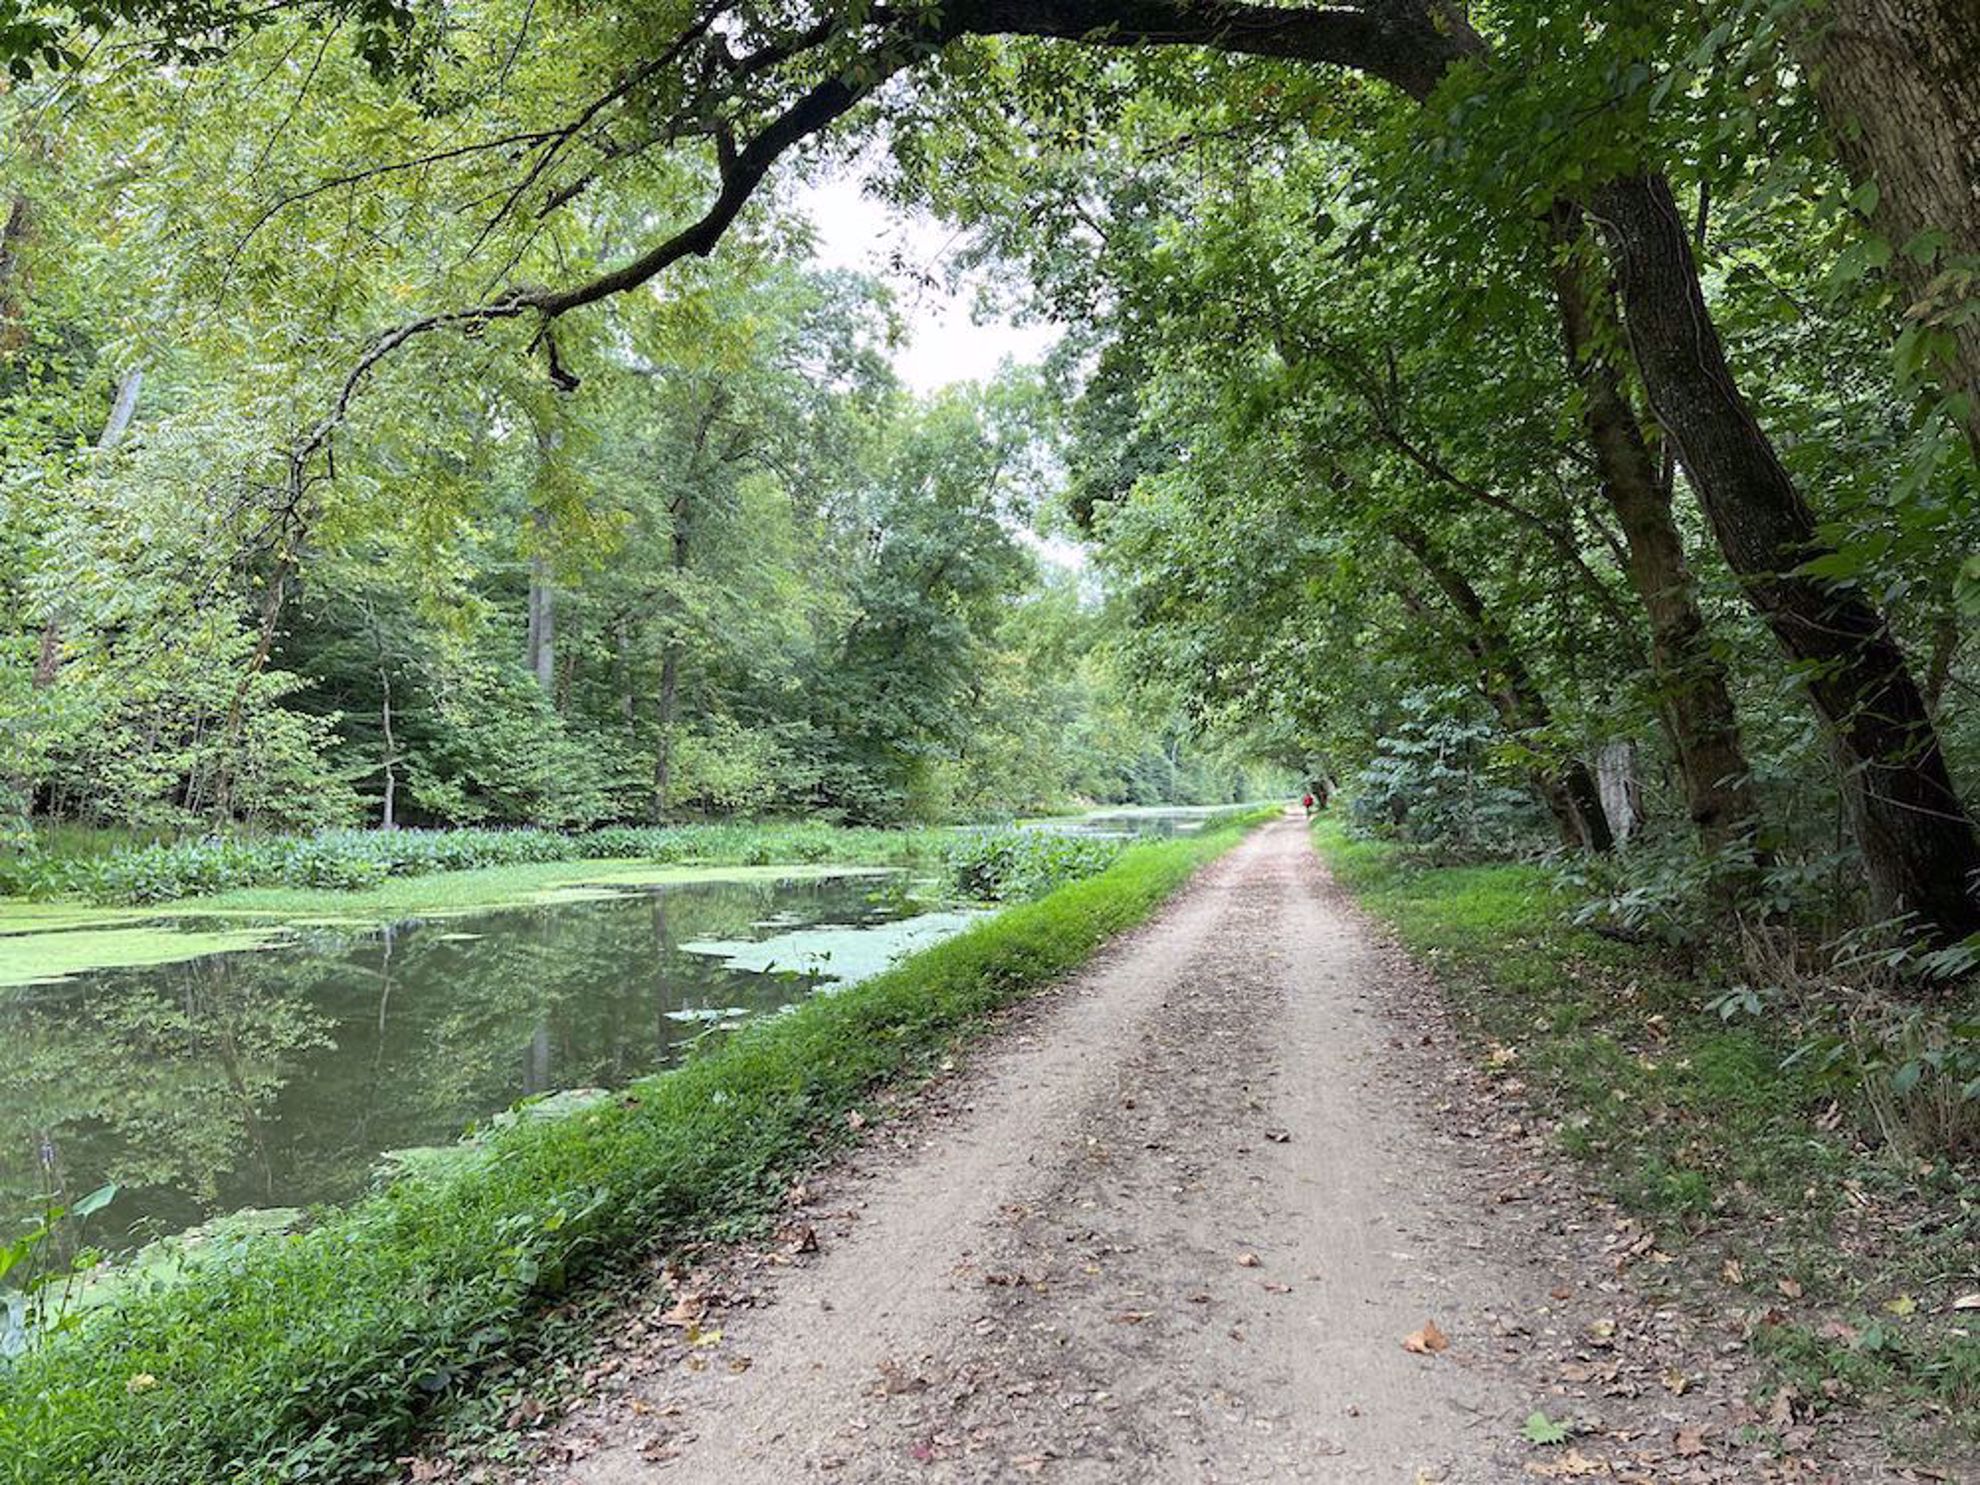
(276, 1078)
(1141, 820)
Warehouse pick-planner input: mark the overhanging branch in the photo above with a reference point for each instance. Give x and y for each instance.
(1409, 43)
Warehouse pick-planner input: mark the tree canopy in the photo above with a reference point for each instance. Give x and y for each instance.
(1558, 418)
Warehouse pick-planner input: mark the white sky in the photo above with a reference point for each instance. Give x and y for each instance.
(946, 344)
(945, 341)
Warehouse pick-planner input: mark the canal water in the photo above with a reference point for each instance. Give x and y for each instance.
(279, 1077)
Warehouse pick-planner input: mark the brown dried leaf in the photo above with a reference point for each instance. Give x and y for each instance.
(1427, 1341)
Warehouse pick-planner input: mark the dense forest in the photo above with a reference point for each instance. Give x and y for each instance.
(1537, 421)
(732, 568)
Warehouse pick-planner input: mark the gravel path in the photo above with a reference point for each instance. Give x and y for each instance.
(1176, 1224)
(1181, 1234)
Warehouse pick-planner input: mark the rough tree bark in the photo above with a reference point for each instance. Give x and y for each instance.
(14, 233)
(1917, 839)
(1712, 764)
(1898, 82)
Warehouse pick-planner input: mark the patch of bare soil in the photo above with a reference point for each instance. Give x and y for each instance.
(1230, 1206)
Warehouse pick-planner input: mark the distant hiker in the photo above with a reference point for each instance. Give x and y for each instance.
(1307, 804)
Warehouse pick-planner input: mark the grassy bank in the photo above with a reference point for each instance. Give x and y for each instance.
(1756, 1166)
(316, 1356)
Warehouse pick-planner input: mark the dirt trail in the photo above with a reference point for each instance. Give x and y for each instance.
(1177, 1230)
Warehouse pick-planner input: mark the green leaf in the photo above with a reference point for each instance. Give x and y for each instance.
(1540, 1429)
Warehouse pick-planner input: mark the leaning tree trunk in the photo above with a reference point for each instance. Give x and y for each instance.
(1899, 83)
(1918, 842)
(1569, 791)
(1712, 765)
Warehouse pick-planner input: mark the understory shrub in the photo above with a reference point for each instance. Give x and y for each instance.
(1444, 777)
(316, 1355)
(1013, 865)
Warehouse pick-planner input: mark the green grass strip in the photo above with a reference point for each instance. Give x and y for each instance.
(1704, 1126)
(316, 1356)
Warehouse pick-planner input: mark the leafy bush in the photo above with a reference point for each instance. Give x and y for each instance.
(1014, 865)
(314, 1356)
(1445, 777)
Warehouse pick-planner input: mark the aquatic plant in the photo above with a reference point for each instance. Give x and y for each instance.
(344, 860)
(1015, 865)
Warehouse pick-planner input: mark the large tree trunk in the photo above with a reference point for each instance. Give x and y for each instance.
(1712, 765)
(1568, 790)
(1899, 83)
(1918, 842)
(540, 642)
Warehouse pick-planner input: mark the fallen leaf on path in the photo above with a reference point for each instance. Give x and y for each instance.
(1690, 1442)
(855, 1120)
(1279, 1136)
(687, 1311)
(1573, 1463)
(1904, 1304)
(1967, 1302)
(1790, 1288)
(1780, 1412)
(1427, 1341)
(1247, 1260)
